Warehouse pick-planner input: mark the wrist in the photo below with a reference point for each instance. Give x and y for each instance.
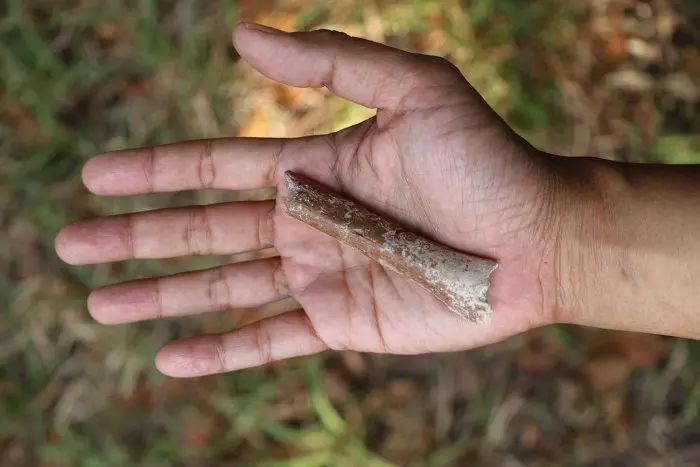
(627, 256)
(585, 191)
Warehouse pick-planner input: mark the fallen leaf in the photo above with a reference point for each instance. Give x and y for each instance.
(616, 46)
(540, 353)
(108, 31)
(607, 371)
(289, 96)
(354, 362)
(284, 20)
(20, 119)
(402, 389)
(139, 87)
(611, 364)
(643, 350)
(256, 125)
(529, 435)
(196, 429)
(247, 317)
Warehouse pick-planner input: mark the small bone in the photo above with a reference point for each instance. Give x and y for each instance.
(458, 280)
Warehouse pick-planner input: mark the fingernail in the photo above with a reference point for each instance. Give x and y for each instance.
(262, 28)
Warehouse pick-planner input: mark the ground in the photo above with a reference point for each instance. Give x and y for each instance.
(616, 79)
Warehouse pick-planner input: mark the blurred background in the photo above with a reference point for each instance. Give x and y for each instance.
(612, 78)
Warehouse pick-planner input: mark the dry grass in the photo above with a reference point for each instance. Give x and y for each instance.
(611, 78)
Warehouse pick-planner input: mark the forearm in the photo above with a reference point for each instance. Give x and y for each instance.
(630, 244)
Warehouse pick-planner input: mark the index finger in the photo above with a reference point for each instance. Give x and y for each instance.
(227, 163)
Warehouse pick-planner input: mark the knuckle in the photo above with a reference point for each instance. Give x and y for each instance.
(266, 227)
(206, 170)
(198, 233)
(440, 67)
(263, 342)
(219, 353)
(274, 163)
(157, 298)
(129, 239)
(149, 167)
(218, 292)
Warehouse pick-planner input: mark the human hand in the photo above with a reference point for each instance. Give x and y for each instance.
(435, 158)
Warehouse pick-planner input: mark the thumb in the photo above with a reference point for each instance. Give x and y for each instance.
(365, 72)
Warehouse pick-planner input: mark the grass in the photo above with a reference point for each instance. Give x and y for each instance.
(82, 77)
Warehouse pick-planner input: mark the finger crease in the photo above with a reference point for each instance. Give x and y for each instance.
(129, 237)
(329, 77)
(149, 168)
(265, 231)
(362, 148)
(371, 163)
(313, 332)
(279, 280)
(218, 292)
(198, 233)
(351, 299)
(206, 169)
(335, 167)
(158, 300)
(271, 176)
(220, 352)
(263, 342)
(375, 312)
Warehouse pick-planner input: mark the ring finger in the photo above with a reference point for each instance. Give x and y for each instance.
(239, 285)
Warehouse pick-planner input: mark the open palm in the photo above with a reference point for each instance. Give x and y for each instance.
(435, 158)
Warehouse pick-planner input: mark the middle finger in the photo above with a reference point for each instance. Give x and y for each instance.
(225, 228)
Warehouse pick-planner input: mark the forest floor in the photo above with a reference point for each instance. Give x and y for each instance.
(610, 78)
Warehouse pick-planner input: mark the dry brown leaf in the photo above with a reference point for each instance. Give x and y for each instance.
(607, 371)
(335, 387)
(529, 435)
(691, 63)
(611, 364)
(354, 362)
(402, 390)
(196, 429)
(616, 46)
(168, 390)
(540, 353)
(256, 125)
(643, 349)
(284, 20)
(469, 379)
(139, 88)
(246, 317)
(108, 31)
(22, 122)
(290, 97)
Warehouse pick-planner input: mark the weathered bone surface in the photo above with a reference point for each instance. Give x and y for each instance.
(457, 279)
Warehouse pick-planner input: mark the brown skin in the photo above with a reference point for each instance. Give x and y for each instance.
(632, 254)
(435, 158)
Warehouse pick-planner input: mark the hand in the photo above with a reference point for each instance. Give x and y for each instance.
(435, 157)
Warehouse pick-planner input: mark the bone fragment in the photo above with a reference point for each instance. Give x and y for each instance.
(458, 280)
